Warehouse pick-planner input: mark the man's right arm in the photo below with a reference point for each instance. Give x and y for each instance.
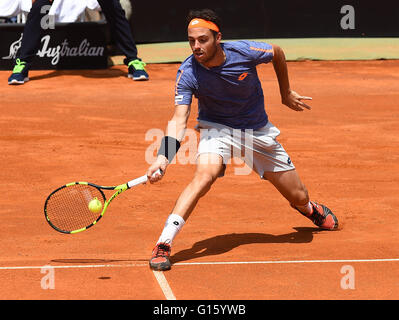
(175, 129)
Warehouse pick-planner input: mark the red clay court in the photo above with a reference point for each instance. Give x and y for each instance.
(243, 240)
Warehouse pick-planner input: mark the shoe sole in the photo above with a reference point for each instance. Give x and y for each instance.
(16, 82)
(142, 78)
(160, 266)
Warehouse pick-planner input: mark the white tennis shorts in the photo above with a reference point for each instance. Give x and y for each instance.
(259, 149)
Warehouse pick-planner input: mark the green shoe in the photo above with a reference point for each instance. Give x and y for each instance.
(137, 71)
(19, 73)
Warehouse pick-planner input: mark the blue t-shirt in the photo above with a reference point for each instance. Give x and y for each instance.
(230, 94)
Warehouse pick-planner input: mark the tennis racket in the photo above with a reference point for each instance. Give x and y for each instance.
(68, 208)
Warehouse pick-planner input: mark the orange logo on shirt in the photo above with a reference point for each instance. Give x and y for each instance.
(242, 76)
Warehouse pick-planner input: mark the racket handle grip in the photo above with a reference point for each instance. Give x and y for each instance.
(142, 179)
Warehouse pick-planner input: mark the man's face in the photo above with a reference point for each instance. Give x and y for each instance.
(203, 44)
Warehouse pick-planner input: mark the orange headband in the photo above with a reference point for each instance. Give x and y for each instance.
(201, 23)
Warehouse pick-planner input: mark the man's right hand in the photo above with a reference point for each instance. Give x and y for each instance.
(160, 163)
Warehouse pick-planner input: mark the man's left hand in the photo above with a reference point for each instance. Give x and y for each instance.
(294, 101)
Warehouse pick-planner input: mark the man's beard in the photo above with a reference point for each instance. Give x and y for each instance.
(207, 58)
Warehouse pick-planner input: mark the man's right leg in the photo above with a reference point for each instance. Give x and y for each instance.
(209, 167)
(30, 42)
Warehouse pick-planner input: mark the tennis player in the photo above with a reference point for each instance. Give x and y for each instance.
(223, 77)
(120, 28)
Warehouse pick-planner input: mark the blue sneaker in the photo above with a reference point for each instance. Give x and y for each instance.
(19, 73)
(137, 71)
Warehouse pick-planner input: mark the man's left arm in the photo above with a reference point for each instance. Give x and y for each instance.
(288, 97)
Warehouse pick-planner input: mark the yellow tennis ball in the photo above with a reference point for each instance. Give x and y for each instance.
(95, 205)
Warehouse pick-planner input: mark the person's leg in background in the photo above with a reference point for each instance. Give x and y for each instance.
(123, 36)
(30, 42)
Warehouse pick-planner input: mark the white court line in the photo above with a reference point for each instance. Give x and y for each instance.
(76, 266)
(163, 283)
(202, 263)
(286, 262)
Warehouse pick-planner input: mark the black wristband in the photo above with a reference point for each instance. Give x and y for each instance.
(169, 147)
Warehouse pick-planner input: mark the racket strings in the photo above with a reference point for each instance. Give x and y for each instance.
(68, 208)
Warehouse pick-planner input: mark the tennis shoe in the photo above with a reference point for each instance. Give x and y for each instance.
(19, 74)
(322, 216)
(160, 257)
(136, 70)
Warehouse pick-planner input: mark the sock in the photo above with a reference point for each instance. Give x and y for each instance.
(172, 227)
(307, 209)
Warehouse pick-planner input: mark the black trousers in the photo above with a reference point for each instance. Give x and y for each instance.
(113, 12)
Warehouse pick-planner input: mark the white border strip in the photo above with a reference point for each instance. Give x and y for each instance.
(163, 283)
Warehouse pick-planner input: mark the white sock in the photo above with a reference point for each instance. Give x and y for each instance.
(306, 209)
(172, 227)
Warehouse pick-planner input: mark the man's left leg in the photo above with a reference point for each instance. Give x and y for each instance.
(291, 187)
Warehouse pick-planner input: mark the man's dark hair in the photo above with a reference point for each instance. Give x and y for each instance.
(206, 14)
